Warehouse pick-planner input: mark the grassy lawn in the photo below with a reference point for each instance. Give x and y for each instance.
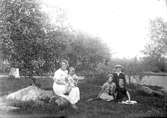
(148, 106)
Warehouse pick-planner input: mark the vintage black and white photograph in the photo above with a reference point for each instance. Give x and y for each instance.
(83, 58)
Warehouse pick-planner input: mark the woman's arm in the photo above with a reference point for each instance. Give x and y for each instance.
(75, 77)
(60, 82)
(58, 79)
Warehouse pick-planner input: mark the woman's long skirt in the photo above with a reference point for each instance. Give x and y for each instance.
(73, 97)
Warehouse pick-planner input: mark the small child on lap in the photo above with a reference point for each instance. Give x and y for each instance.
(72, 79)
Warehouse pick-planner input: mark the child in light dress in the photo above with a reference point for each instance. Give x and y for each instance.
(72, 79)
(108, 89)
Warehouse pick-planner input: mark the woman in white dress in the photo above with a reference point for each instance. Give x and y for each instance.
(61, 85)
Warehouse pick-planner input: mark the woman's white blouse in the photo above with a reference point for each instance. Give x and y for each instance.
(60, 75)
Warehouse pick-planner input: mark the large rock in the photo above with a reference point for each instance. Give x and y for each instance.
(149, 91)
(146, 89)
(33, 93)
(30, 93)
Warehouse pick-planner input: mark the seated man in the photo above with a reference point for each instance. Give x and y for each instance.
(108, 89)
(122, 93)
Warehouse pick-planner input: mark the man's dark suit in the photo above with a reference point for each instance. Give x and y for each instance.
(116, 78)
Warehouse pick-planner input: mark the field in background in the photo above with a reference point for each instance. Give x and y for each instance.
(152, 79)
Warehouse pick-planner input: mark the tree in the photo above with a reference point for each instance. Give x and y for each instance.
(86, 52)
(23, 30)
(29, 42)
(157, 44)
(155, 50)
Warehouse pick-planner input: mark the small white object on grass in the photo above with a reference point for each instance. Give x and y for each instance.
(129, 102)
(14, 72)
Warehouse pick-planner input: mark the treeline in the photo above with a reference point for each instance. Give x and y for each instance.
(29, 42)
(156, 49)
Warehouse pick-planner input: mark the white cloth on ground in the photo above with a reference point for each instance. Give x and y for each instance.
(129, 102)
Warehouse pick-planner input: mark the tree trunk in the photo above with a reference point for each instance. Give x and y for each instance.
(129, 77)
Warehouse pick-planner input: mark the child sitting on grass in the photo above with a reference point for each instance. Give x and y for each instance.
(108, 89)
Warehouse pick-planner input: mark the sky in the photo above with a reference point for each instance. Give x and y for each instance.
(122, 24)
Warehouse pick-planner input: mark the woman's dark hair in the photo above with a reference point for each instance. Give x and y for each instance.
(109, 75)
